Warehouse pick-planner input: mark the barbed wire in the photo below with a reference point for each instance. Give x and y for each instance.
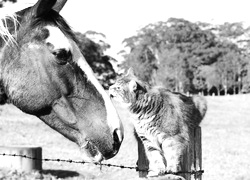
(193, 172)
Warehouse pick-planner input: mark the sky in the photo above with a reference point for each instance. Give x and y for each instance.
(120, 19)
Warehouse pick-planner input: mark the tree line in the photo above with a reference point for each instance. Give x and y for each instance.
(191, 57)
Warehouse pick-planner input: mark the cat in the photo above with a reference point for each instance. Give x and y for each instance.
(163, 120)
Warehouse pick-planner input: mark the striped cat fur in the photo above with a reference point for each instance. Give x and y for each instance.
(162, 119)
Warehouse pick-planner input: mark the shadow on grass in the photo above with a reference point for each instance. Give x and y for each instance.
(62, 174)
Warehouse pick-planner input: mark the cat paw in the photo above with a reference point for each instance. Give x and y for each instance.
(154, 173)
(157, 167)
(157, 171)
(173, 168)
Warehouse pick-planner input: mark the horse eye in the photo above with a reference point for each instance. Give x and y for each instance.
(62, 56)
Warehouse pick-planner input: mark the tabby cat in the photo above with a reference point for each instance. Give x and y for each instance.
(162, 119)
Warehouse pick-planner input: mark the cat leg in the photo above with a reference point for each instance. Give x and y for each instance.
(173, 148)
(157, 162)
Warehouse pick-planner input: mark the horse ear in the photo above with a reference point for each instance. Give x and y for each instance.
(132, 85)
(59, 5)
(42, 6)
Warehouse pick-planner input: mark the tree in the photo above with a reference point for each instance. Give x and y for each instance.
(196, 46)
(170, 72)
(177, 54)
(100, 63)
(4, 1)
(234, 34)
(143, 60)
(176, 43)
(208, 78)
(237, 39)
(245, 76)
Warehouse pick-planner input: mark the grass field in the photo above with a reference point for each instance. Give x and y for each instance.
(225, 144)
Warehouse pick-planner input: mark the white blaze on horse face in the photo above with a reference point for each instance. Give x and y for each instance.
(57, 38)
(112, 116)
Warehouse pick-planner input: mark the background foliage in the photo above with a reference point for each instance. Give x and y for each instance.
(191, 57)
(94, 54)
(4, 1)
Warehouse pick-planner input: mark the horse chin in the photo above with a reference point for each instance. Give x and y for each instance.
(90, 153)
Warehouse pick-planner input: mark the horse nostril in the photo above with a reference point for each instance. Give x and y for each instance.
(118, 137)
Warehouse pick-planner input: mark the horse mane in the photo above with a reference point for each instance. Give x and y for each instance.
(5, 33)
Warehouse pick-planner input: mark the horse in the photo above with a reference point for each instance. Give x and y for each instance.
(43, 73)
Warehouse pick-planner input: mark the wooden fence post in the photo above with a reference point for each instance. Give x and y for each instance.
(142, 163)
(191, 160)
(197, 153)
(21, 163)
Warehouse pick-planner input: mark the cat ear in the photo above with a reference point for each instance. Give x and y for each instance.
(132, 85)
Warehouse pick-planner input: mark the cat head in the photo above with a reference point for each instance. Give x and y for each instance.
(127, 88)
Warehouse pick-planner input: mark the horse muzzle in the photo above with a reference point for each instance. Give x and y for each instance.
(91, 153)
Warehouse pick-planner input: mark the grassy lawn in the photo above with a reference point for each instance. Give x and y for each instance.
(226, 132)
(225, 141)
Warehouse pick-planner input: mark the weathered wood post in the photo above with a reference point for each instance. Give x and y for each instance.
(142, 162)
(191, 161)
(197, 163)
(18, 162)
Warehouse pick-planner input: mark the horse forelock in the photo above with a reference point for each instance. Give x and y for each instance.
(52, 18)
(14, 24)
(5, 32)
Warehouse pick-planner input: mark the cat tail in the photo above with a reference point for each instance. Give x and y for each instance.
(201, 105)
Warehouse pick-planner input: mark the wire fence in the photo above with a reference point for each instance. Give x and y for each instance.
(193, 172)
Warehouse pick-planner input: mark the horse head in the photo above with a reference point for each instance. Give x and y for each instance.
(44, 73)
